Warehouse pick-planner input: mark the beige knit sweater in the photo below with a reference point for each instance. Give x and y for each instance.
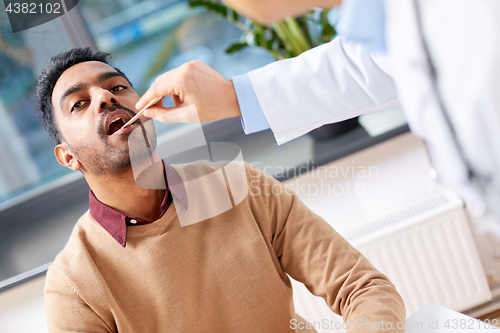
(224, 274)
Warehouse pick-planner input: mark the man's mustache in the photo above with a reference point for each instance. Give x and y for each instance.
(102, 130)
(115, 107)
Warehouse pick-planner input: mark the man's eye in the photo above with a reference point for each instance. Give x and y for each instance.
(76, 106)
(118, 88)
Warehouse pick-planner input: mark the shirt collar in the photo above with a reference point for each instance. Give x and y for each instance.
(115, 222)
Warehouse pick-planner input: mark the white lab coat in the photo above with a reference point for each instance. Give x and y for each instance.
(330, 83)
(456, 110)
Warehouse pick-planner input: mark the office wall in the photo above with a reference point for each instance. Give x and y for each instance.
(22, 309)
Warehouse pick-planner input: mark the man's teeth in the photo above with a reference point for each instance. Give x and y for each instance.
(118, 119)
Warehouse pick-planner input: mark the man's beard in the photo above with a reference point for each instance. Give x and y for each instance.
(112, 160)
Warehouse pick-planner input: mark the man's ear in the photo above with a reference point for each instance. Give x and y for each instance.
(65, 157)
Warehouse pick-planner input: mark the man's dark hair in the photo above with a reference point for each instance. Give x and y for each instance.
(50, 74)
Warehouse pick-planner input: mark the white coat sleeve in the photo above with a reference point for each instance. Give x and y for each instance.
(329, 83)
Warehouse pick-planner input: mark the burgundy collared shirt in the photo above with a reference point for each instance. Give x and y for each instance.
(116, 222)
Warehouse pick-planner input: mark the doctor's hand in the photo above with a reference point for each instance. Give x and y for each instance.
(193, 83)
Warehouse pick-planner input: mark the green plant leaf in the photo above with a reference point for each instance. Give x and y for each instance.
(302, 22)
(211, 6)
(283, 39)
(259, 35)
(297, 34)
(291, 45)
(236, 17)
(327, 30)
(236, 47)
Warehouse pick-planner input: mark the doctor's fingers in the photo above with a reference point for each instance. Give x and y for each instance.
(190, 82)
(170, 83)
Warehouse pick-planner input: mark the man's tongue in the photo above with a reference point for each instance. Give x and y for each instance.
(115, 126)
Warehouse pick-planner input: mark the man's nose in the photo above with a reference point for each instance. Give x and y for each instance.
(103, 99)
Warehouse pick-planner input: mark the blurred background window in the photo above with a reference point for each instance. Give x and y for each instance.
(26, 151)
(144, 37)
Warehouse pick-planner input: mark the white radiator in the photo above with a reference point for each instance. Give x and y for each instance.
(426, 249)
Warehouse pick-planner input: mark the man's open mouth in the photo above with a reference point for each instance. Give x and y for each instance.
(116, 120)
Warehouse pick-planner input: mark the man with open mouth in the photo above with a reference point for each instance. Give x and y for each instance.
(129, 266)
